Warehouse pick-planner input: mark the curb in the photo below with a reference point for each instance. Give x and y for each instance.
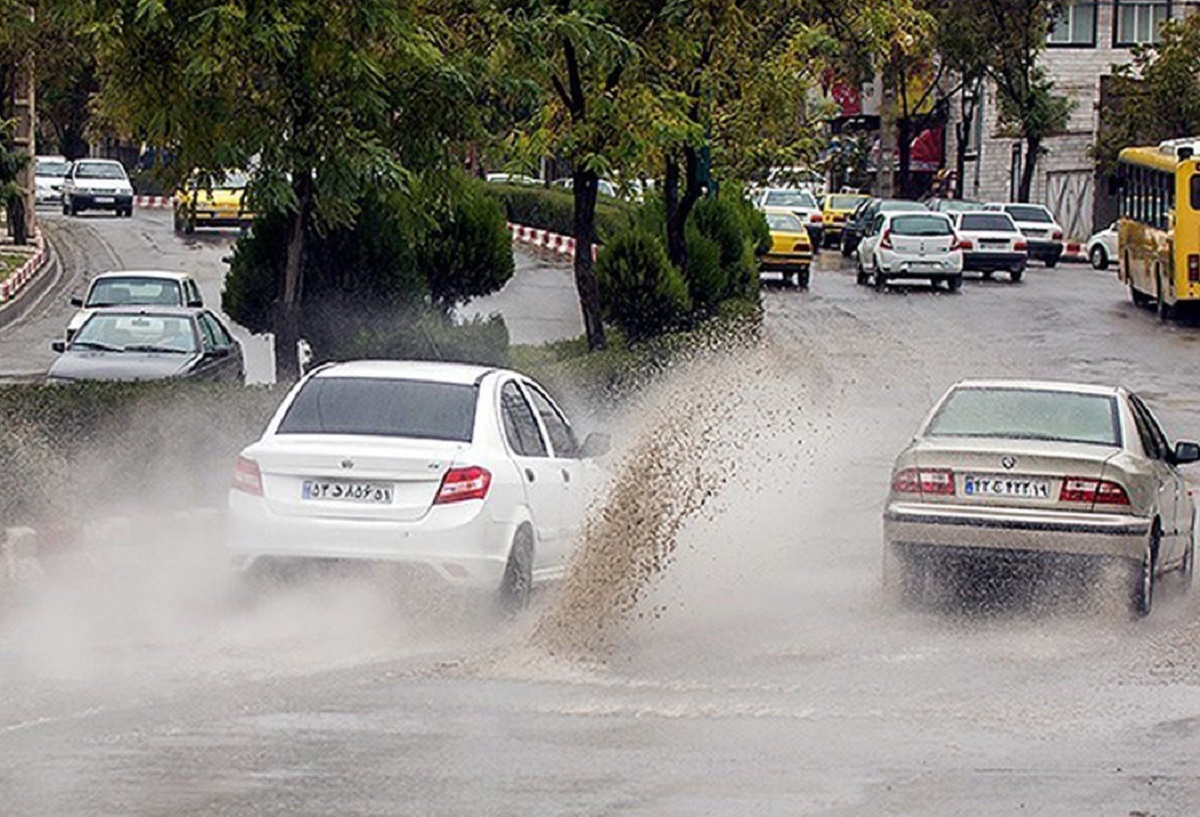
(28, 553)
(558, 243)
(153, 202)
(1074, 254)
(26, 272)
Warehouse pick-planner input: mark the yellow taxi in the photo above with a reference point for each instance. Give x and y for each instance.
(791, 250)
(221, 205)
(836, 208)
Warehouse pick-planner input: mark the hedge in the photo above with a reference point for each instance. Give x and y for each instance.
(554, 209)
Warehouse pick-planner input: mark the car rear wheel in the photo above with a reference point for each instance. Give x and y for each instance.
(804, 277)
(1188, 569)
(66, 209)
(517, 584)
(954, 283)
(1017, 273)
(72, 210)
(1099, 257)
(1051, 263)
(846, 248)
(879, 279)
(861, 277)
(1141, 591)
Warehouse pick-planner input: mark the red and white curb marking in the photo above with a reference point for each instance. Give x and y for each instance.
(25, 273)
(554, 242)
(153, 202)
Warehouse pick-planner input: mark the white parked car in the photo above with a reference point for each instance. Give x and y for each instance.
(905, 245)
(49, 173)
(1019, 472)
(468, 474)
(991, 243)
(1102, 246)
(97, 184)
(1041, 229)
(134, 288)
(512, 178)
(604, 187)
(800, 203)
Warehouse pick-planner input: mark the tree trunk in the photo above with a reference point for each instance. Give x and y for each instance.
(962, 136)
(1029, 168)
(679, 207)
(287, 307)
(17, 220)
(586, 186)
(904, 147)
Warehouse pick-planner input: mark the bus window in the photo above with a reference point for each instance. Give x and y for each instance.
(1195, 191)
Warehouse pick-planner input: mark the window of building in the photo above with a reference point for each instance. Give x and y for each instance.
(1074, 25)
(1139, 21)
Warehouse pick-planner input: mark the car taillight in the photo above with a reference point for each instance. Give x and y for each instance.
(1193, 268)
(461, 484)
(1057, 235)
(936, 481)
(1093, 491)
(246, 477)
(816, 218)
(1021, 246)
(961, 244)
(886, 240)
(803, 246)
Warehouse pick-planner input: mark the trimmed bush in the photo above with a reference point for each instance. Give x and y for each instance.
(706, 276)
(642, 292)
(427, 336)
(469, 254)
(553, 209)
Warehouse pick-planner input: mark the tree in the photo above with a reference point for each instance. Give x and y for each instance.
(1156, 96)
(302, 91)
(17, 42)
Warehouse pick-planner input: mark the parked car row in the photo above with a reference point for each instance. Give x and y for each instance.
(85, 184)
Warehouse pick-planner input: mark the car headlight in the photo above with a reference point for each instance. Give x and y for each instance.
(125, 191)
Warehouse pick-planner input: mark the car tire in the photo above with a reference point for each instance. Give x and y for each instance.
(846, 249)
(1051, 263)
(517, 584)
(803, 278)
(878, 278)
(72, 210)
(860, 274)
(1098, 257)
(1016, 274)
(1187, 570)
(988, 274)
(954, 282)
(1141, 591)
(66, 208)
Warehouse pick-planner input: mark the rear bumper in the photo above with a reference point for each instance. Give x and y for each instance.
(218, 218)
(993, 261)
(784, 263)
(898, 266)
(1016, 529)
(462, 545)
(1043, 249)
(99, 202)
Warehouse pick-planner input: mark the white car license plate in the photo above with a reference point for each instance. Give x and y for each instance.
(1017, 487)
(105, 199)
(371, 493)
(993, 243)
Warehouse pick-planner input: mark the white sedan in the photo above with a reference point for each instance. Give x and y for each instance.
(134, 288)
(1021, 472)
(468, 474)
(1102, 246)
(905, 245)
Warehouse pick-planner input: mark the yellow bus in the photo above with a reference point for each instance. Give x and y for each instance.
(1158, 238)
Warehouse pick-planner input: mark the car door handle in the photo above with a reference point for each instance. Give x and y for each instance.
(529, 475)
(566, 475)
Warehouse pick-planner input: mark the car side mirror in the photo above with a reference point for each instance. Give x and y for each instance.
(219, 352)
(77, 302)
(597, 444)
(1185, 452)
(59, 346)
(195, 304)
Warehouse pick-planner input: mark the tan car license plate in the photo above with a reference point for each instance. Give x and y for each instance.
(372, 493)
(1019, 487)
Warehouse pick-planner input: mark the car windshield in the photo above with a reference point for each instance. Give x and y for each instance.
(789, 198)
(53, 168)
(231, 180)
(99, 170)
(930, 225)
(958, 206)
(784, 223)
(1028, 414)
(994, 222)
(1021, 212)
(379, 407)
(901, 205)
(134, 291)
(844, 202)
(115, 332)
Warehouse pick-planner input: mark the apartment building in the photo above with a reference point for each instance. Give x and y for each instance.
(1089, 37)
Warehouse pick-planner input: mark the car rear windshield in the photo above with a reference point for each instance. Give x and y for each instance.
(50, 168)
(789, 198)
(921, 225)
(784, 223)
(1021, 212)
(135, 291)
(844, 202)
(378, 407)
(893, 205)
(991, 222)
(99, 170)
(1028, 414)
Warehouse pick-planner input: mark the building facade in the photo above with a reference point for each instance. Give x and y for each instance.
(1088, 39)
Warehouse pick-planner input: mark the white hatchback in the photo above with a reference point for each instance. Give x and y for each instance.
(469, 474)
(906, 245)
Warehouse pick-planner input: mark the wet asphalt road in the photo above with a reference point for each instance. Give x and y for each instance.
(761, 675)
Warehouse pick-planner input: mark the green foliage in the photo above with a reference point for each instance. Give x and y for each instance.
(706, 276)
(1156, 96)
(424, 335)
(469, 253)
(554, 209)
(641, 292)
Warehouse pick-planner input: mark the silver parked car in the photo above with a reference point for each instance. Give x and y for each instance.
(1021, 469)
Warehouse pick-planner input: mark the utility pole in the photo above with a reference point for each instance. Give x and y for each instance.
(885, 180)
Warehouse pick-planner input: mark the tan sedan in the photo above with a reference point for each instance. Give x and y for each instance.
(1017, 469)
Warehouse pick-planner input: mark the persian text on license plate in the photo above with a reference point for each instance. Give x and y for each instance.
(1006, 487)
(104, 199)
(371, 493)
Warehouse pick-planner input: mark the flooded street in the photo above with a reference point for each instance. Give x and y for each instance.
(721, 649)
